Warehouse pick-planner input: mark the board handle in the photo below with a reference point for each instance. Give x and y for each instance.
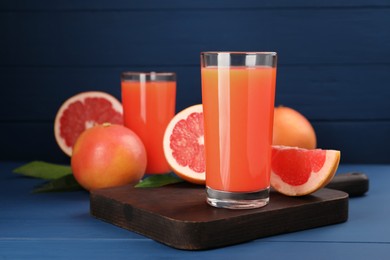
(353, 183)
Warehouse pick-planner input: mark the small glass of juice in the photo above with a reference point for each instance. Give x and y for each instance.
(238, 94)
(149, 101)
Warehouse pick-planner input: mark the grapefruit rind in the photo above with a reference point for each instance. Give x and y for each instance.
(184, 172)
(291, 128)
(116, 105)
(316, 181)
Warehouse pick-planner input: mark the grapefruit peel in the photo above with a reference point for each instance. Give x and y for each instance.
(291, 128)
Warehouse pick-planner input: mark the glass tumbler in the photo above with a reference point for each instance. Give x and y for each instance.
(238, 93)
(149, 101)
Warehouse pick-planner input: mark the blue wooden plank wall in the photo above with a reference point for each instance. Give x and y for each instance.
(334, 61)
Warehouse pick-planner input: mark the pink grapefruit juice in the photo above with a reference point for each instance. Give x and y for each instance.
(238, 104)
(147, 108)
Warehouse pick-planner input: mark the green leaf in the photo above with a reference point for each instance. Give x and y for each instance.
(158, 181)
(44, 170)
(65, 183)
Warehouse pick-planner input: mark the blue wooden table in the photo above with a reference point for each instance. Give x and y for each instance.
(58, 225)
(333, 67)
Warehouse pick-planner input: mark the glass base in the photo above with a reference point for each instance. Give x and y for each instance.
(237, 200)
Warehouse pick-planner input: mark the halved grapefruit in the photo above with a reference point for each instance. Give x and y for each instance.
(184, 144)
(83, 111)
(297, 172)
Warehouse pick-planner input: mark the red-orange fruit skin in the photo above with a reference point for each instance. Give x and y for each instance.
(291, 128)
(108, 156)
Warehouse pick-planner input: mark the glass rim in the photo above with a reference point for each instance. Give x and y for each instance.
(240, 52)
(228, 59)
(148, 76)
(148, 73)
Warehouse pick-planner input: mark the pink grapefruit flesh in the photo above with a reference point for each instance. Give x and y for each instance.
(184, 144)
(81, 112)
(298, 172)
(295, 171)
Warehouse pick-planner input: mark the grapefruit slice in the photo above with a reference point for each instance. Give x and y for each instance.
(297, 171)
(184, 144)
(294, 171)
(83, 111)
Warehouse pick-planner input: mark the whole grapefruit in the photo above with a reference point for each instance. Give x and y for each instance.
(291, 128)
(81, 112)
(107, 156)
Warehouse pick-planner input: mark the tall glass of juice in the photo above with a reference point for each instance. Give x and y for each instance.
(149, 101)
(238, 93)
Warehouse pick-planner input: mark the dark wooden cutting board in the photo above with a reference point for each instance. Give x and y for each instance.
(177, 215)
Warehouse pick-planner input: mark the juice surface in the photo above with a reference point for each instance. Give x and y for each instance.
(238, 104)
(148, 107)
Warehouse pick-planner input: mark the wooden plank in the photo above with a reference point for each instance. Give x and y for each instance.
(187, 222)
(158, 37)
(112, 248)
(30, 141)
(324, 93)
(359, 142)
(23, 5)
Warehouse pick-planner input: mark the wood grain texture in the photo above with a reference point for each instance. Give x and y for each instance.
(333, 60)
(178, 216)
(176, 37)
(72, 5)
(58, 225)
